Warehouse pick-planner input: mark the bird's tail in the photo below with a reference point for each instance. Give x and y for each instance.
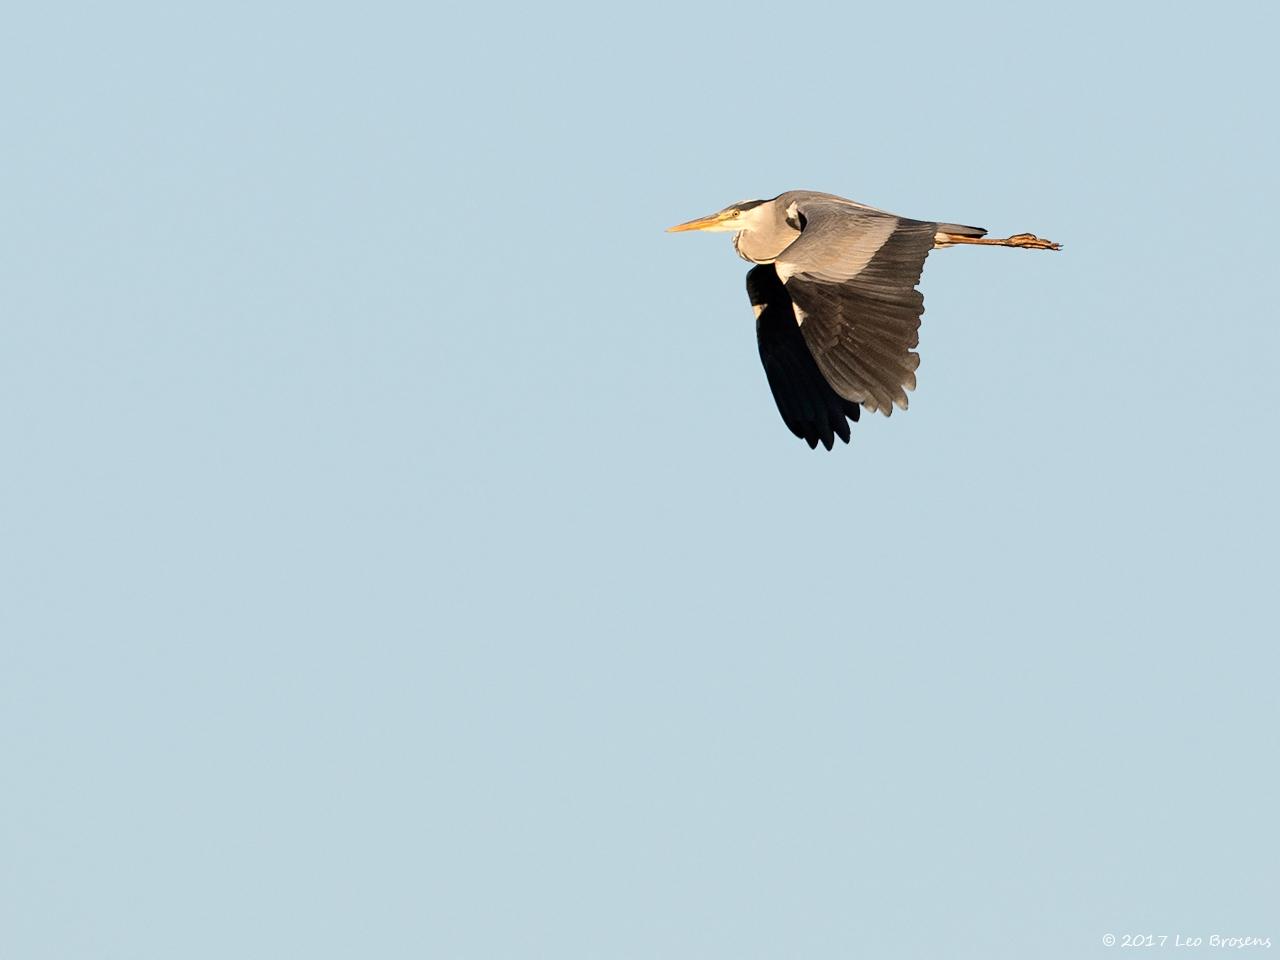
(959, 230)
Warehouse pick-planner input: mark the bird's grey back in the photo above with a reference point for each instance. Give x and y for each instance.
(780, 219)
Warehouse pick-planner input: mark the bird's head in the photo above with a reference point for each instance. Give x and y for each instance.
(732, 219)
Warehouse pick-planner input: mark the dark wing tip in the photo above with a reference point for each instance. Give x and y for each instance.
(810, 408)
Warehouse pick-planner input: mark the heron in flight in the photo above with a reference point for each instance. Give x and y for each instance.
(834, 293)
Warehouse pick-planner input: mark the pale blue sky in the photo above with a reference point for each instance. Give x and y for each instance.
(401, 555)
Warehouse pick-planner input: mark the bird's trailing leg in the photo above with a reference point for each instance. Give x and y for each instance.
(1027, 241)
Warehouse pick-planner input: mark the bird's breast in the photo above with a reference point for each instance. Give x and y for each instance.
(758, 248)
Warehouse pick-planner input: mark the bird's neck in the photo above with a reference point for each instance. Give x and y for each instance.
(766, 234)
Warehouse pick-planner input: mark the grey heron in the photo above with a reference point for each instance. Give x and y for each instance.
(834, 293)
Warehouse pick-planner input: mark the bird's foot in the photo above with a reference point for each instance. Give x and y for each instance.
(1029, 241)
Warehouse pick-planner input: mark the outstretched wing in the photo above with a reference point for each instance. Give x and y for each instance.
(809, 407)
(851, 276)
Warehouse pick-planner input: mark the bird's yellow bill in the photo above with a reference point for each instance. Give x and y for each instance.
(702, 223)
